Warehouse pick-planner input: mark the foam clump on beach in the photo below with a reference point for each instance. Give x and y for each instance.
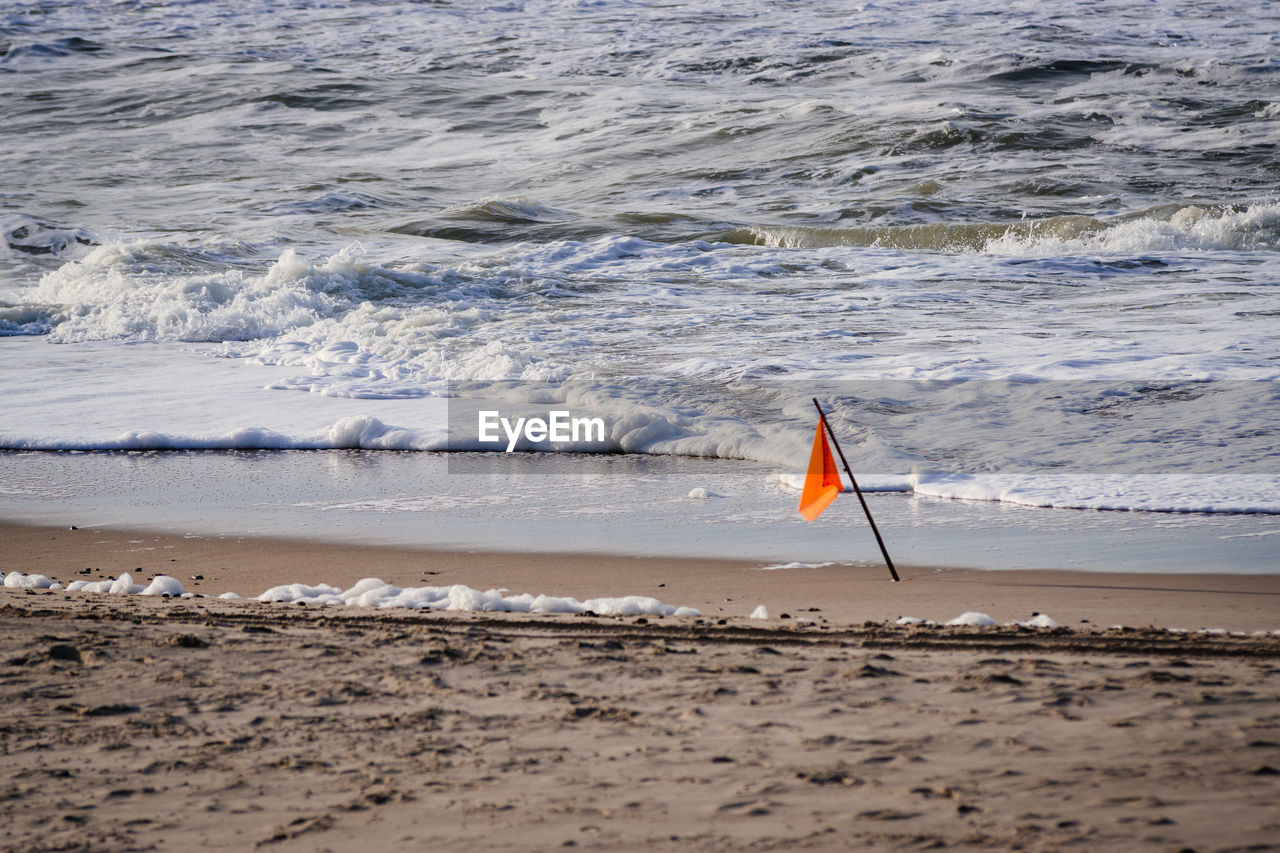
(982, 620)
(124, 585)
(973, 618)
(17, 580)
(292, 592)
(164, 585)
(372, 592)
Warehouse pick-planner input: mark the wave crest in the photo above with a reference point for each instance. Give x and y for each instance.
(148, 292)
(1169, 228)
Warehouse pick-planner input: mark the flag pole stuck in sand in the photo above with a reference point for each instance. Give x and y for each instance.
(822, 482)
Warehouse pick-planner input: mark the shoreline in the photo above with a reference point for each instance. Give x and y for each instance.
(831, 595)
(647, 505)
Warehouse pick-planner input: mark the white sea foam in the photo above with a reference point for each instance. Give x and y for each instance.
(122, 585)
(1036, 620)
(1191, 228)
(124, 292)
(18, 580)
(1166, 493)
(976, 619)
(25, 235)
(1243, 493)
(702, 493)
(972, 618)
(163, 585)
(372, 592)
(795, 564)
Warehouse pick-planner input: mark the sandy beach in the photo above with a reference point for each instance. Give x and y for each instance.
(140, 723)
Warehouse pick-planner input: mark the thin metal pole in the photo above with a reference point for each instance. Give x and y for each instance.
(888, 562)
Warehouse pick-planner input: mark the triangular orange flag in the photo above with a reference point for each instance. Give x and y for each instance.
(822, 480)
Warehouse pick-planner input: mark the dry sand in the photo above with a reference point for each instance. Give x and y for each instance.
(154, 724)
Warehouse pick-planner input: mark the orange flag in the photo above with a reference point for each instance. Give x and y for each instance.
(822, 480)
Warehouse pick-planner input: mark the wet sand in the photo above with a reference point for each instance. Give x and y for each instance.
(837, 594)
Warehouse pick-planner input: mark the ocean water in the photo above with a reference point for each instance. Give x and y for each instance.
(1026, 255)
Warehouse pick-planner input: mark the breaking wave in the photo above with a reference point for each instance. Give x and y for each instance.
(1165, 229)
